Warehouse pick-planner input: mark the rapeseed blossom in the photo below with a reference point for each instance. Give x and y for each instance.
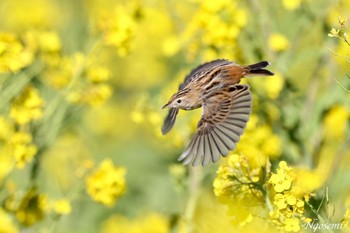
(288, 208)
(32, 207)
(62, 206)
(27, 107)
(107, 183)
(218, 26)
(22, 148)
(150, 223)
(13, 55)
(274, 85)
(278, 42)
(336, 122)
(7, 224)
(54, 67)
(118, 28)
(291, 4)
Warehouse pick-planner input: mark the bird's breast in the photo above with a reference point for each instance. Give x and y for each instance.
(188, 108)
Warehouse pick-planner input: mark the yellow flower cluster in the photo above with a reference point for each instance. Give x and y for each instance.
(20, 144)
(93, 95)
(118, 28)
(341, 33)
(27, 107)
(31, 208)
(107, 183)
(150, 223)
(58, 76)
(238, 184)
(7, 225)
(82, 80)
(282, 181)
(17, 147)
(214, 29)
(13, 55)
(237, 178)
(336, 122)
(288, 208)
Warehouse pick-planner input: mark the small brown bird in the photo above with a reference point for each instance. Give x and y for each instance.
(226, 104)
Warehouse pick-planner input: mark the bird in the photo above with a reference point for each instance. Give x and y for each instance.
(226, 108)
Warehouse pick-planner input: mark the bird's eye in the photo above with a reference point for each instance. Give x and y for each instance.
(178, 101)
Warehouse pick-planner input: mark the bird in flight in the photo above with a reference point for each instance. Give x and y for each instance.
(226, 107)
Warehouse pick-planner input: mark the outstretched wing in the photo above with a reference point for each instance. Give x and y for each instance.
(202, 70)
(224, 117)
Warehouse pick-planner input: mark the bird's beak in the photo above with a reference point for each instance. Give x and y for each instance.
(165, 106)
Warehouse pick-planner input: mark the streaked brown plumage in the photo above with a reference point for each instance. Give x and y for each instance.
(226, 108)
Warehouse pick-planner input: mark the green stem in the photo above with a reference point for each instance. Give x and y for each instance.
(195, 181)
(17, 82)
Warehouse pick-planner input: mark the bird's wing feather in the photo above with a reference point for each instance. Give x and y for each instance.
(202, 70)
(169, 120)
(224, 117)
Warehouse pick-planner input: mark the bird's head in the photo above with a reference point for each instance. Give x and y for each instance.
(178, 101)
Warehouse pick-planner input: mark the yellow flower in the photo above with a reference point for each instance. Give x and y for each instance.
(171, 46)
(336, 121)
(6, 128)
(22, 15)
(7, 225)
(97, 74)
(20, 145)
(215, 6)
(6, 162)
(137, 116)
(98, 94)
(281, 181)
(291, 4)
(27, 107)
(307, 181)
(118, 28)
(59, 71)
(273, 86)
(280, 201)
(215, 28)
(32, 207)
(49, 42)
(292, 200)
(107, 183)
(93, 95)
(342, 21)
(292, 224)
(62, 206)
(272, 146)
(13, 56)
(334, 33)
(150, 223)
(278, 42)
(346, 219)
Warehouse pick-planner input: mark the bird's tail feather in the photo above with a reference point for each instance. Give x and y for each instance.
(257, 69)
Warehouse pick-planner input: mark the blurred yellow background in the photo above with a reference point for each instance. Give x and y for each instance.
(81, 88)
